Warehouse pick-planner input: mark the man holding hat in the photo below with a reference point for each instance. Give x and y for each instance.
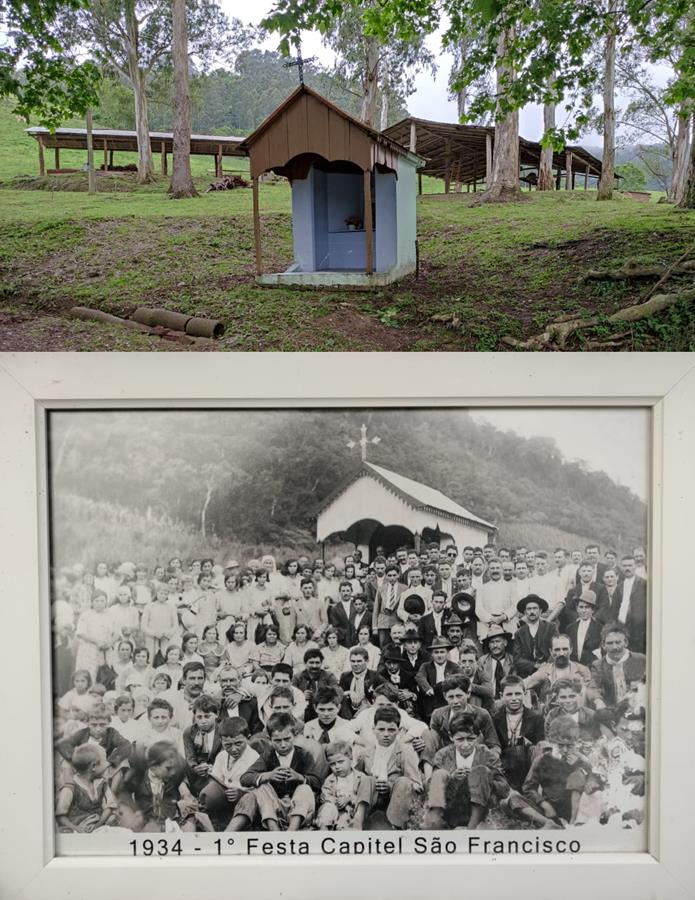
(532, 640)
(496, 662)
(585, 632)
(392, 669)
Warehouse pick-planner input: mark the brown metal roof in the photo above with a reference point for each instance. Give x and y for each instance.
(467, 149)
(307, 123)
(76, 139)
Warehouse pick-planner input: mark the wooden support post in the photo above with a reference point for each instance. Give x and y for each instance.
(42, 162)
(574, 175)
(163, 151)
(368, 223)
(447, 166)
(568, 170)
(488, 159)
(106, 156)
(91, 174)
(257, 227)
(419, 182)
(110, 159)
(57, 157)
(475, 184)
(586, 177)
(558, 179)
(218, 164)
(413, 137)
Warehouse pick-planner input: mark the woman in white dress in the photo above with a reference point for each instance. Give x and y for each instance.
(239, 651)
(364, 636)
(301, 642)
(95, 636)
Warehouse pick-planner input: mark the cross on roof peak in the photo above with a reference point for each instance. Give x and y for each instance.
(363, 441)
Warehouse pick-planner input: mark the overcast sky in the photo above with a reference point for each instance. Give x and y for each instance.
(615, 441)
(430, 100)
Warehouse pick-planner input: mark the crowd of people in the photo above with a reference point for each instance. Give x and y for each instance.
(422, 690)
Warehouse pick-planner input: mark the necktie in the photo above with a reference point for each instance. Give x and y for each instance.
(499, 678)
(324, 738)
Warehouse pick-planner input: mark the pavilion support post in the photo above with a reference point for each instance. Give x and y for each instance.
(586, 177)
(368, 223)
(488, 159)
(106, 155)
(568, 171)
(218, 163)
(574, 175)
(57, 157)
(257, 226)
(417, 539)
(419, 182)
(447, 166)
(413, 137)
(163, 151)
(42, 161)
(475, 184)
(558, 179)
(91, 174)
(110, 159)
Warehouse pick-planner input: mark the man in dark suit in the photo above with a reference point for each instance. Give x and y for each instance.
(431, 675)
(432, 625)
(629, 605)
(613, 676)
(385, 612)
(234, 703)
(342, 612)
(358, 684)
(591, 556)
(531, 646)
(412, 654)
(359, 618)
(585, 632)
(374, 581)
(585, 582)
(518, 729)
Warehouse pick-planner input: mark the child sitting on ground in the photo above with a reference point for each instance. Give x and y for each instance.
(347, 794)
(86, 802)
(466, 777)
(155, 785)
(222, 795)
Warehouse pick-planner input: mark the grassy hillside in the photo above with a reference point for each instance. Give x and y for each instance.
(502, 269)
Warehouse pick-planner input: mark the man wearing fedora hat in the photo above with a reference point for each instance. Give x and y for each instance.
(497, 661)
(431, 676)
(532, 639)
(585, 632)
(392, 670)
(411, 652)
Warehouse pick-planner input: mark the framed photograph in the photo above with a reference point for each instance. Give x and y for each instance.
(338, 624)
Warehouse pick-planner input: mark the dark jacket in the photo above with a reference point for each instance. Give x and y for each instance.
(302, 762)
(527, 651)
(636, 622)
(441, 719)
(602, 683)
(592, 641)
(372, 680)
(341, 622)
(427, 629)
(116, 747)
(246, 709)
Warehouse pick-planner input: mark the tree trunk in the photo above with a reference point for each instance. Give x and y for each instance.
(686, 125)
(605, 185)
(688, 199)
(504, 184)
(138, 77)
(181, 178)
(370, 82)
(383, 124)
(546, 182)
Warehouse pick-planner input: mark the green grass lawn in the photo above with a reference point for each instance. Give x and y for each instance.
(505, 269)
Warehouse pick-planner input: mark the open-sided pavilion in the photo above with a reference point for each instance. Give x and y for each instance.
(462, 154)
(110, 142)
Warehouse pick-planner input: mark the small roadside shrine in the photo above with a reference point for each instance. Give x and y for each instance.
(353, 195)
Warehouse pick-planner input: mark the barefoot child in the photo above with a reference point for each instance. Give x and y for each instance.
(86, 802)
(347, 794)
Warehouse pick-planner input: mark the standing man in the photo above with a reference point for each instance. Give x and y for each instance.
(629, 607)
(532, 639)
(494, 602)
(341, 613)
(591, 554)
(385, 614)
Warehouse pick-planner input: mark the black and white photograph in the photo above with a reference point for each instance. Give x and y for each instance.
(350, 620)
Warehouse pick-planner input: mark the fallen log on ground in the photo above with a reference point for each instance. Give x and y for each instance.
(96, 315)
(228, 183)
(196, 326)
(632, 269)
(557, 332)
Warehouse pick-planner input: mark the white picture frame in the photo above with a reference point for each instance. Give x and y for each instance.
(31, 384)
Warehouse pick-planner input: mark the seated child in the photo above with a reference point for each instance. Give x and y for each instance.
(347, 794)
(122, 719)
(155, 785)
(394, 766)
(157, 727)
(557, 772)
(97, 732)
(283, 779)
(86, 802)
(223, 794)
(78, 696)
(566, 696)
(466, 777)
(201, 742)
